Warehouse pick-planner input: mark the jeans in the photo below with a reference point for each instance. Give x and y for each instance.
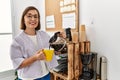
(47, 77)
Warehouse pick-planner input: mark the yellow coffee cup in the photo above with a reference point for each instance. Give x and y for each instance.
(49, 54)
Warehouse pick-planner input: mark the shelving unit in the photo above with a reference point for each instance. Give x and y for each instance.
(74, 64)
(75, 49)
(58, 76)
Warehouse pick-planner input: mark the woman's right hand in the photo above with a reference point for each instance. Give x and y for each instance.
(40, 55)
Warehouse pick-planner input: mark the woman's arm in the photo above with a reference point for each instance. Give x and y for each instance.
(39, 55)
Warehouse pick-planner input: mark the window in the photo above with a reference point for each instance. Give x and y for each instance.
(5, 35)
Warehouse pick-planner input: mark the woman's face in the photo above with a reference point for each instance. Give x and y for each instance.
(31, 19)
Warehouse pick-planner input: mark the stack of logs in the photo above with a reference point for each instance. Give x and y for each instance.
(79, 44)
(74, 50)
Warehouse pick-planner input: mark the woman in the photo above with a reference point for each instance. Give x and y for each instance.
(27, 48)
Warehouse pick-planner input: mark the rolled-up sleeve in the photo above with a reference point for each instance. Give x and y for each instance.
(16, 54)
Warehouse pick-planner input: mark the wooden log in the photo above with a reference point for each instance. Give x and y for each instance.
(70, 61)
(58, 75)
(87, 46)
(75, 37)
(82, 47)
(51, 76)
(82, 33)
(76, 61)
(80, 62)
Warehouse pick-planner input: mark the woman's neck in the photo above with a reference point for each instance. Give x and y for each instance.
(30, 32)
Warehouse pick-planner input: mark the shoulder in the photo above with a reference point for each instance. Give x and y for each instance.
(19, 38)
(43, 33)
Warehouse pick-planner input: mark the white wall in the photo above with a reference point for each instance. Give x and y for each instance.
(8, 75)
(101, 18)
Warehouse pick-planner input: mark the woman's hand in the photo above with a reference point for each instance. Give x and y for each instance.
(40, 55)
(62, 34)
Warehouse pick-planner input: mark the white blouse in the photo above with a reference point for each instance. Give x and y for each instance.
(23, 47)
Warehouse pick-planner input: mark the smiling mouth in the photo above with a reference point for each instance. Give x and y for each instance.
(32, 23)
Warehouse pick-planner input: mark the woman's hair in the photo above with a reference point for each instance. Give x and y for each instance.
(23, 26)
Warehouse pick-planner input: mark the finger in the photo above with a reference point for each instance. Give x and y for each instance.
(39, 51)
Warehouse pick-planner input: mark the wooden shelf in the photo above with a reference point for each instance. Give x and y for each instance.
(63, 76)
(74, 65)
(59, 75)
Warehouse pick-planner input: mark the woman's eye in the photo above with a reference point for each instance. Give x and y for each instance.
(35, 16)
(29, 16)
